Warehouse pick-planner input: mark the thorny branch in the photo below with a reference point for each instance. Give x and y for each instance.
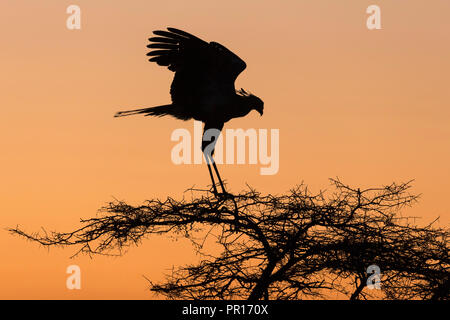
(291, 246)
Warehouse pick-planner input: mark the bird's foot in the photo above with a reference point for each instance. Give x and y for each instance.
(221, 195)
(214, 191)
(224, 195)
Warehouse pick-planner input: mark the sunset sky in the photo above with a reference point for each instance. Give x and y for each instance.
(367, 106)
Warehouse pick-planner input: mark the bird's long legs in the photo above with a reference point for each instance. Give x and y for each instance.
(218, 176)
(211, 175)
(210, 160)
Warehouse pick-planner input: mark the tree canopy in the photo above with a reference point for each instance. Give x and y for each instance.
(296, 245)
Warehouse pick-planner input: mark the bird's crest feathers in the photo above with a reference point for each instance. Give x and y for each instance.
(244, 93)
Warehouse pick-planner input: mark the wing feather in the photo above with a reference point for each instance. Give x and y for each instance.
(190, 53)
(198, 65)
(162, 46)
(162, 39)
(159, 52)
(169, 35)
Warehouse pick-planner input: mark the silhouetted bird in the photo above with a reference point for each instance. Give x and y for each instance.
(203, 86)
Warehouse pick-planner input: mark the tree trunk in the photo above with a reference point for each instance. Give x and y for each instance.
(261, 287)
(359, 289)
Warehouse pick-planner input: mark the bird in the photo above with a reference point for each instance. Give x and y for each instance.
(203, 87)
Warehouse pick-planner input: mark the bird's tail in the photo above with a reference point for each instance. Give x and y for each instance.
(158, 111)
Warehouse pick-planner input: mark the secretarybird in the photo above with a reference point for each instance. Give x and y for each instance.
(203, 86)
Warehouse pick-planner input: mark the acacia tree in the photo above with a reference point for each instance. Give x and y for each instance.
(292, 246)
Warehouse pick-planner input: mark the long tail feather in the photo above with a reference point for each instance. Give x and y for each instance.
(153, 111)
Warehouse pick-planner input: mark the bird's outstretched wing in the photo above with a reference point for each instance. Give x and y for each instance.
(196, 59)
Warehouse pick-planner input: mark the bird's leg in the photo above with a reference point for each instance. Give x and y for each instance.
(211, 131)
(211, 174)
(218, 176)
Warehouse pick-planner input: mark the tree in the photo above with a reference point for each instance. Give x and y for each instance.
(297, 245)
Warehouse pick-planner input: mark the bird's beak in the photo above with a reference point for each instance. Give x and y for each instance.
(260, 112)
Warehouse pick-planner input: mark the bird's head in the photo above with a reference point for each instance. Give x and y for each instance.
(253, 101)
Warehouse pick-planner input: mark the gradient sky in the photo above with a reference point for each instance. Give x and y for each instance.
(369, 107)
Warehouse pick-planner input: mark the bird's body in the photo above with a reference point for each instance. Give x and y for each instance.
(203, 86)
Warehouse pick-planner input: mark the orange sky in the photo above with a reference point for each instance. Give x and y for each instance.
(369, 107)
